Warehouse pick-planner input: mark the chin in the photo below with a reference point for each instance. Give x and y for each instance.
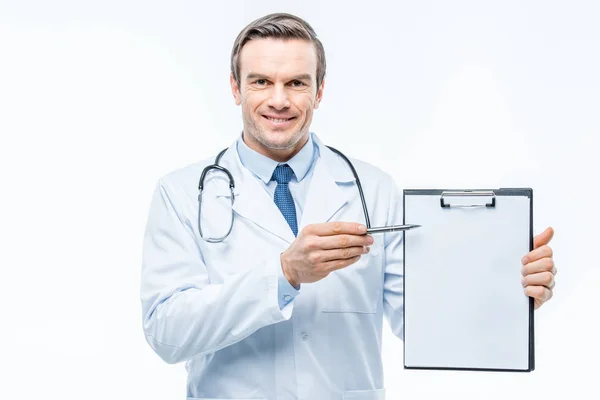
(280, 140)
(279, 143)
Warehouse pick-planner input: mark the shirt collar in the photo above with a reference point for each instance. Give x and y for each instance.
(263, 166)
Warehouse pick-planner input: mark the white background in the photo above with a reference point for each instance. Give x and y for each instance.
(98, 99)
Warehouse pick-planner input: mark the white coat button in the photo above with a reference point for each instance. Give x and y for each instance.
(304, 335)
(287, 297)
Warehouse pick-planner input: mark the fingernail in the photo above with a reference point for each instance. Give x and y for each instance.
(523, 282)
(362, 228)
(370, 240)
(525, 261)
(368, 249)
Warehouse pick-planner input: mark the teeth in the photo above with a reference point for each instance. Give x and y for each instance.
(278, 120)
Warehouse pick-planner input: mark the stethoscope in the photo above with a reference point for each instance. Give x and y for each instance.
(216, 166)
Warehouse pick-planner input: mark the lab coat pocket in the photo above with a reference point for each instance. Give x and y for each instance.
(356, 288)
(378, 394)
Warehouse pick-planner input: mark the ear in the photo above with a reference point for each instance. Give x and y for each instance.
(235, 90)
(319, 94)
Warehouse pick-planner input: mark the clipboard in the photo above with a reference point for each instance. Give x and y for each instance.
(464, 305)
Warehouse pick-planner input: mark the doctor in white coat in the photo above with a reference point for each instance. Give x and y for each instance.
(282, 308)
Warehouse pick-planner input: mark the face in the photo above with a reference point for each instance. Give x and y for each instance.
(278, 93)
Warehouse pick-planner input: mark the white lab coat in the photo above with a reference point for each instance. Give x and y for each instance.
(215, 305)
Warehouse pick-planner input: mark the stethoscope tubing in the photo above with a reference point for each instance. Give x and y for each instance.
(218, 167)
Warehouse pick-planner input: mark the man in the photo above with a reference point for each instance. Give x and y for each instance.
(287, 306)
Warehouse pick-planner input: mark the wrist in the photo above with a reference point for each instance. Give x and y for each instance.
(291, 278)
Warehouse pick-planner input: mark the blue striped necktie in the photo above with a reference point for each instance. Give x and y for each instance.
(283, 197)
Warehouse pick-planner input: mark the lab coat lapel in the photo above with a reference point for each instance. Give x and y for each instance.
(325, 197)
(253, 202)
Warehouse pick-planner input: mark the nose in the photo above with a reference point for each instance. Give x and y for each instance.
(278, 98)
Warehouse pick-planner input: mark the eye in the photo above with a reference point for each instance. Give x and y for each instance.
(297, 83)
(260, 82)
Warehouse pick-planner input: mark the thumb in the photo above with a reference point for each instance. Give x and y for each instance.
(543, 238)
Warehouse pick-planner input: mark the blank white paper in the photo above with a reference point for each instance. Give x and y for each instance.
(465, 306)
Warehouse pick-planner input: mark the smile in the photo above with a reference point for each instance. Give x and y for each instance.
(278, 120)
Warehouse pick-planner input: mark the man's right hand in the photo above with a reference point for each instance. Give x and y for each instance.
(320, 249)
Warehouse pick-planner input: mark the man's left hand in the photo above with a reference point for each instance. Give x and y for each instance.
(538, 269)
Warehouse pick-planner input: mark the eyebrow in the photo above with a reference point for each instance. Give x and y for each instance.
(302, 77)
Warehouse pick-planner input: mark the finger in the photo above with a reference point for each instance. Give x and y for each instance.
(342, 241)
(543, 238)
(544, 264)
(540, 252)
(539, 279)
(335, 228)
(540, 293)
(340, 254)
(334, 265)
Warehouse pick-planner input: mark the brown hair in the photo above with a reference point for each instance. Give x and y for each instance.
(278, 26)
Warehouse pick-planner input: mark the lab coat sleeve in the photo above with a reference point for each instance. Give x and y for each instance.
(184, 314)
(286, 293)
(393, 290)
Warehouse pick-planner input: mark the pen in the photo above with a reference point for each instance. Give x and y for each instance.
(393, 228)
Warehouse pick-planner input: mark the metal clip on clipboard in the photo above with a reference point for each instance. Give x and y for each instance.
(468, 193)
